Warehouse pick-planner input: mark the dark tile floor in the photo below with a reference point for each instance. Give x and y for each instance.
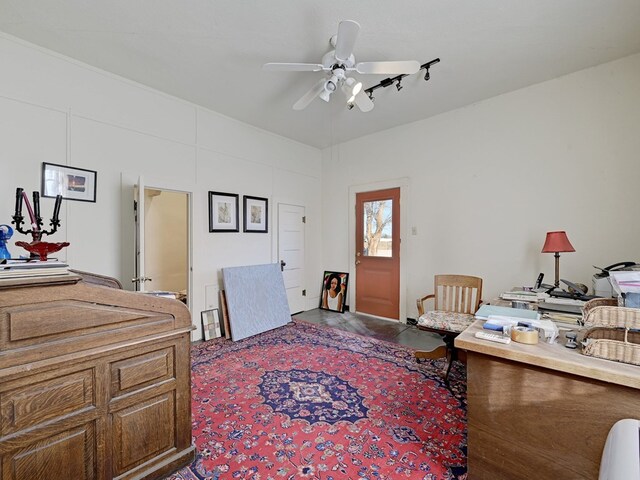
(388, 330)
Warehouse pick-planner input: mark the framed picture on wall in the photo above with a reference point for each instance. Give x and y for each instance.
(70, 182)
(334, 291)
(255, 213)
(223, 212)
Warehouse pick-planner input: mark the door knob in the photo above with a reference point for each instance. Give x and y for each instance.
(357, 262)
(141, 280)
(282, 265)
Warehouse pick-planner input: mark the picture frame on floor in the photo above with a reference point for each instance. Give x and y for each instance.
(225, 314)
(333, 295)
(212, 327)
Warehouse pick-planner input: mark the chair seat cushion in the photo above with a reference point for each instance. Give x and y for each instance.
(448, 321)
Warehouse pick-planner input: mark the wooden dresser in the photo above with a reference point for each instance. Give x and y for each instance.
(94, 382)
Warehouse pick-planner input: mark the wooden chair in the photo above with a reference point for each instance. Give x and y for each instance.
(456, 300)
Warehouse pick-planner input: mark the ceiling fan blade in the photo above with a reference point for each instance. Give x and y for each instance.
(293, 67)
(362, 100)
(346, 39)
(308, 97)
(388, 68)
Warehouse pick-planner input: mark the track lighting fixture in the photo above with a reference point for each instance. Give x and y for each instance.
(398, 79)
(426, 66)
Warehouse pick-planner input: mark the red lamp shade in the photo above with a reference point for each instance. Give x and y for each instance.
(557, 242)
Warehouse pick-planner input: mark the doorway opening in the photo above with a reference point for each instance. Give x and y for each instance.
(162, 242)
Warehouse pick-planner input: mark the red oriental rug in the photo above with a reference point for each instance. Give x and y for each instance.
(309, 402)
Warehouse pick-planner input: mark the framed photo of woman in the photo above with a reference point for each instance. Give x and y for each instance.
(334, 291)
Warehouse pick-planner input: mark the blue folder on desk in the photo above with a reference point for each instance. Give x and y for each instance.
(485, 310)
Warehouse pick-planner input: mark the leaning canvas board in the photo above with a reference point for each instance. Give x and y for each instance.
(256, 299)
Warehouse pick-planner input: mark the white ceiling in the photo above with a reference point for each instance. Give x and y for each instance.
(210, 52)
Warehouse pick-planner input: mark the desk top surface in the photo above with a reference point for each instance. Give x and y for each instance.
(552, 356)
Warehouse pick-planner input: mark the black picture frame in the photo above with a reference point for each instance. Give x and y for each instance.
(72, 183)
(255, 214)
(326, 302)
(223, 212)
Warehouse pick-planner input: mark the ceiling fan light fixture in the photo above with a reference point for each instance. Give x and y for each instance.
(337, 63)
(351, 87)
(328, 88)
(325, 95)
(330, 85)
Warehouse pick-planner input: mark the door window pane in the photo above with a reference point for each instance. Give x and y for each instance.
(377, 228)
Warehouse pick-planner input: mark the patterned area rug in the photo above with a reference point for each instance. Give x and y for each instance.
(309, 402)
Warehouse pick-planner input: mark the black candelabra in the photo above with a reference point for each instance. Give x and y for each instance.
(36, 231)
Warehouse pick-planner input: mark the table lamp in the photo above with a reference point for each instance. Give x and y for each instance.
(555, 243)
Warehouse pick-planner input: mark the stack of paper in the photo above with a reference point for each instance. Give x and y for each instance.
(625, 282)
(32, 268)
(564, 319)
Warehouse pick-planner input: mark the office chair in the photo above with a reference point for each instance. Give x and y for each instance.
(456, 300)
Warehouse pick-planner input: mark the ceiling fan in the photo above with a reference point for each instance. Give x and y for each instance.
(339, 62)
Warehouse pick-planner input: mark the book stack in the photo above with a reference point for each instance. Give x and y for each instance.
(32, 268)
(564, 319)
(564, 305)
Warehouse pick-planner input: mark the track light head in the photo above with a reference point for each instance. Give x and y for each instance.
(426, 74)
(399, 85)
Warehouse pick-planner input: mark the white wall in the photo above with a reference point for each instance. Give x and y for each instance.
(56, 110)
(487, 181)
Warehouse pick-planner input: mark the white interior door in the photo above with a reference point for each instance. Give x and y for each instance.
(291, 253)
(138, 206)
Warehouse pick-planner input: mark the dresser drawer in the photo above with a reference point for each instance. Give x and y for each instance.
(143, 370)
(36, 403)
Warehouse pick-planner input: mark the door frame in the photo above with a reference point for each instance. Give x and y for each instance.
(403, 185)
(128, 181)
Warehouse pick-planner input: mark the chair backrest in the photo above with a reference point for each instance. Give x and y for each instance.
(458, 293)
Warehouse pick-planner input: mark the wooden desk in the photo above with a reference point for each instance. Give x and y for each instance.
(541, 411)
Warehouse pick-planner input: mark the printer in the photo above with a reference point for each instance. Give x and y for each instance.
(602, 281)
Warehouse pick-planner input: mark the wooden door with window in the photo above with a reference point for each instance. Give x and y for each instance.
(378, 253)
